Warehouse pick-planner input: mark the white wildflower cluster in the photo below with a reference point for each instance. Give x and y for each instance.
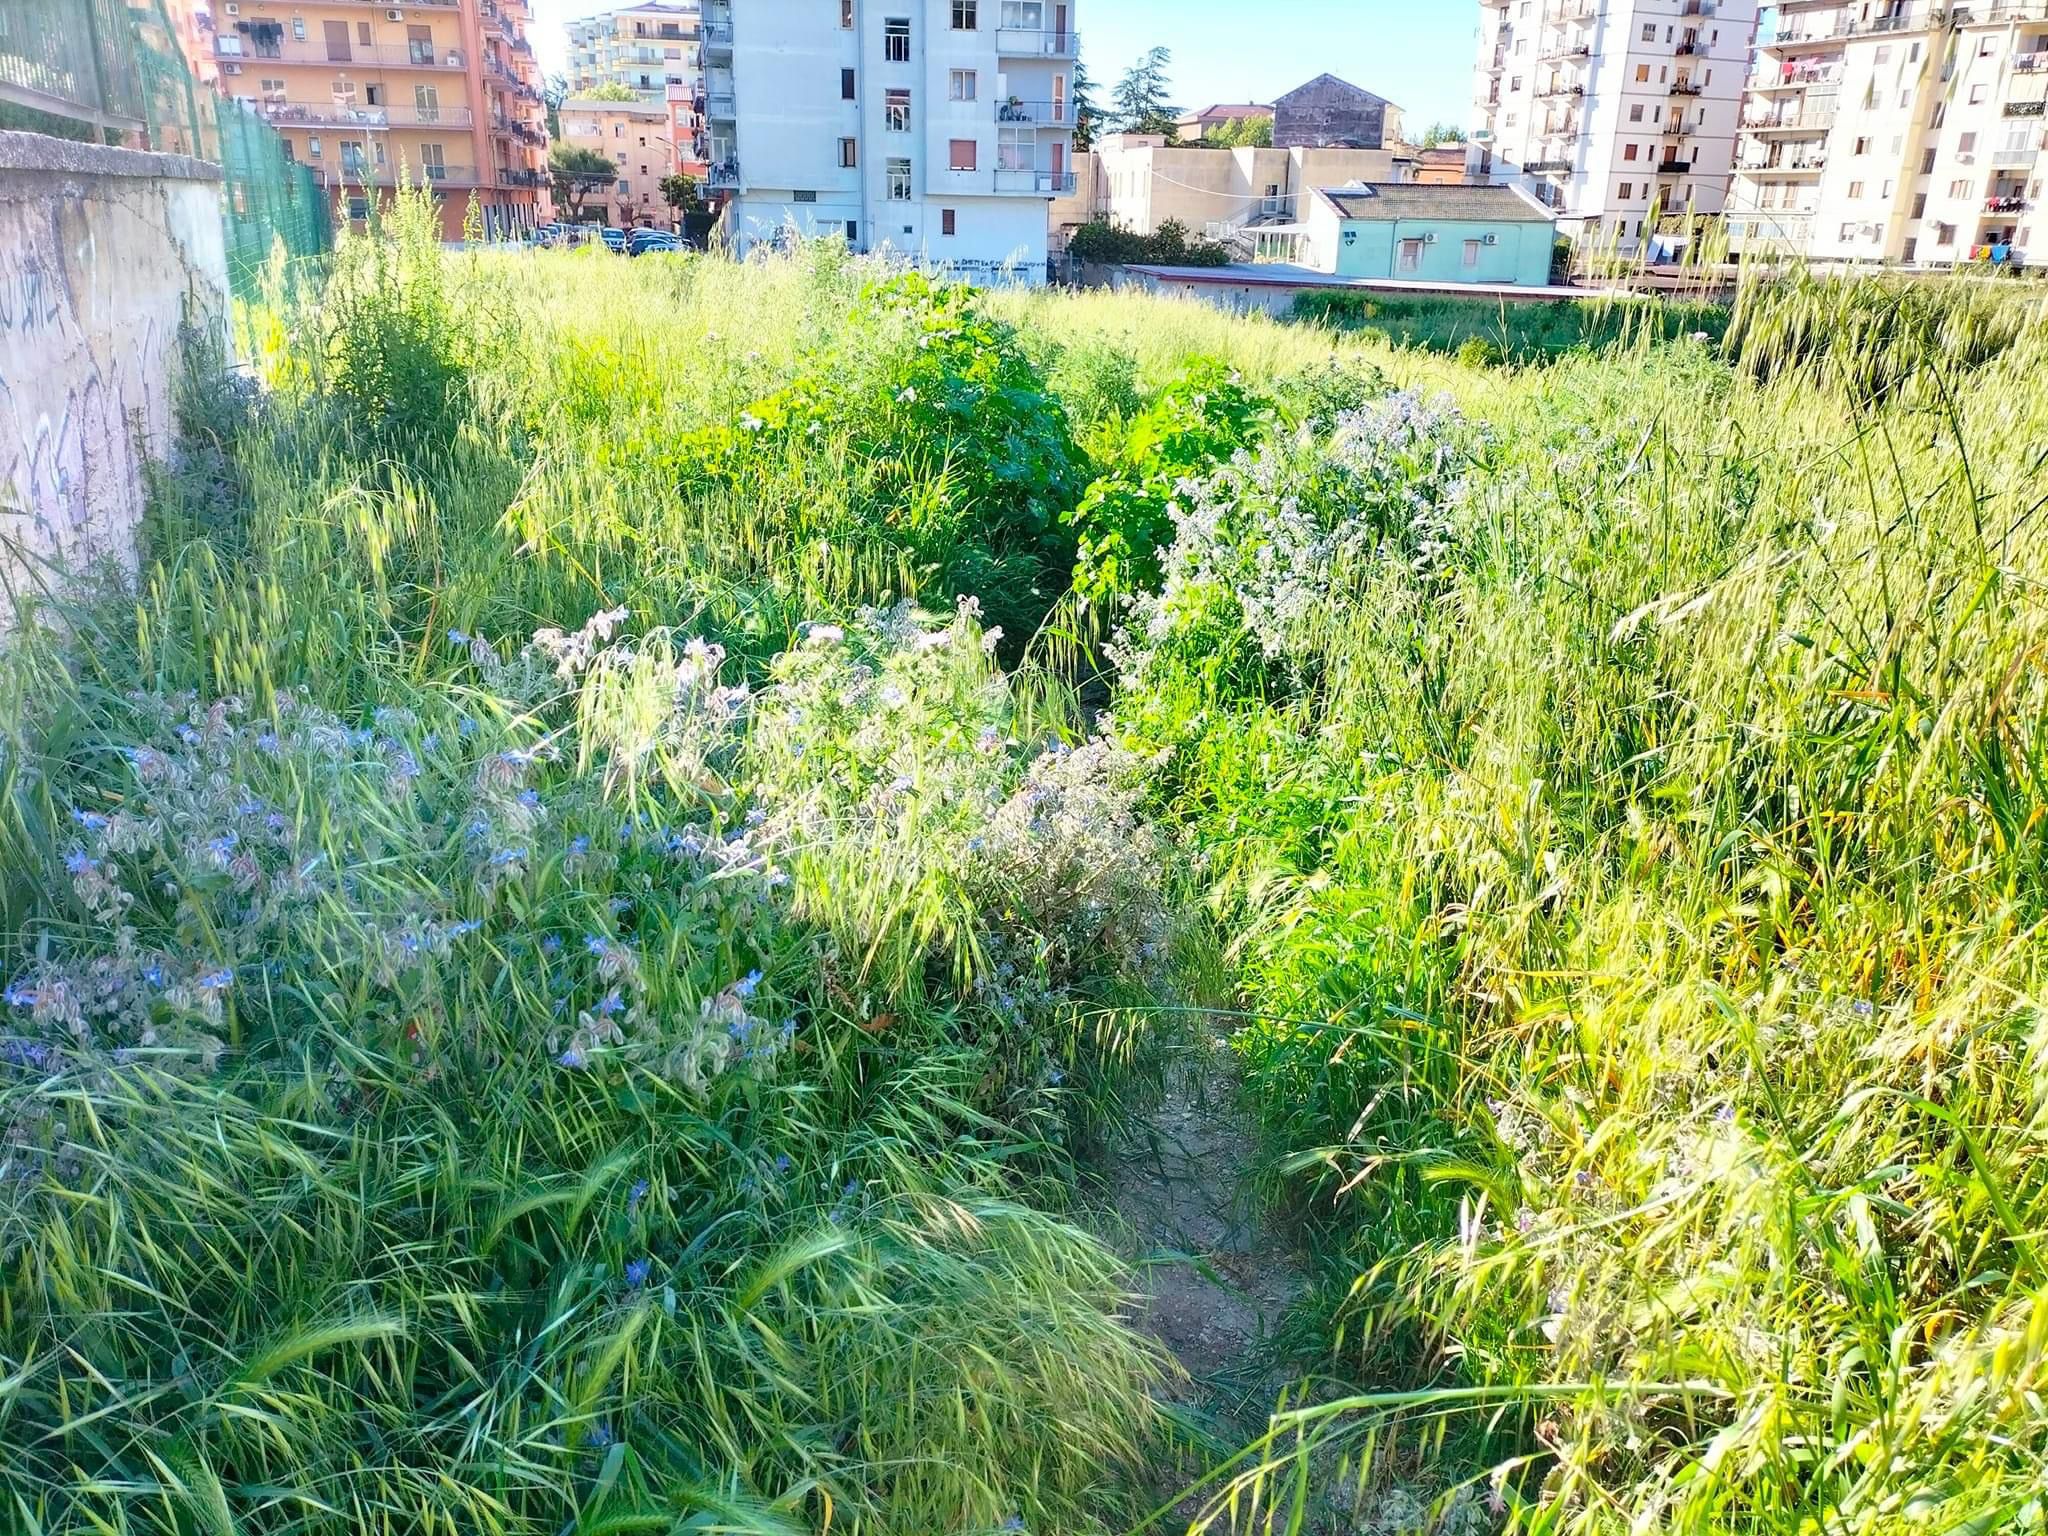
(1070, 856)
(1275, 540)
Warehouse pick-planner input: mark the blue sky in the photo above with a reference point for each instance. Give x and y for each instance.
(1417, 53)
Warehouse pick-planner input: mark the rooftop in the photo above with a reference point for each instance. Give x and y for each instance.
(1419, 200)
(1281, 274)
(1224, 111)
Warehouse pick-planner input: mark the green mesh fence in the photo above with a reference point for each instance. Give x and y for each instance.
(116, 70)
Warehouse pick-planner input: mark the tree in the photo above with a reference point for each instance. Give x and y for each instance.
(1440, 134)
(554, 91)
(680, 193)
(1087, 116)
(1142, 105)
(1241, 133)
(576, 173)
(611, 90)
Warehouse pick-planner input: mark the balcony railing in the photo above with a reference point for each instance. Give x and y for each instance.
(349, 174)
(240, 49)
(352, 115)
(1548, 167)
(717, 35)
(724, 174)
(2010, 157)
(1024, 42)
(1032, 180)
(511, 178)
(1047, 114)
(721, 104)
(2010, 204)
(1791, 122)
(1686, 88)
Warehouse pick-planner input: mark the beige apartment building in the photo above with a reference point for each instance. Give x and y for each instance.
(1139, 181)
(637, 137)
(646, 48)
(1894, 131)
(441, 93)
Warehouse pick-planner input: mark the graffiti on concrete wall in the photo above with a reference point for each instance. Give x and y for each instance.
(94, 289)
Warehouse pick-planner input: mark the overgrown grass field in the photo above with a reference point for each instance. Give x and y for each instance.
(573, 937)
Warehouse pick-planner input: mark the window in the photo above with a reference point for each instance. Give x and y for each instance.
(1945, 234)
(1642, 74)
(1977, 93)
(960, 84)
(846, 85)
(1855, 189)
(1635, 112)
(898, 178)
(623, 187)
(1960, 187)
(433, 162)
(298, 29)
(363, 33)
(896, 109)
(960, 155)
(1927, 163)
(1919, 206)
(1628, 151)
(1649, 31)
(896, 39)
(965, 15)
(313, 146)
(849, 154)
(948, 222)
(1410, 259)
(1471, 254)
(846, 14)
(1628, 190)
(1890, 187)
(358, 208)
(1967, 143)
(1862, 147)
(852, 231)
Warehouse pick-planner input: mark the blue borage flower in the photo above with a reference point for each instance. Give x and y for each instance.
(529, 798)
(747, 984)
(610, 1004)
(596, 945)
(78, 862)
(19, 996)
(572, 1059)
(636, 1195)
(598, 1436)
(92, 821)
(500, 857)
(215, 981)
(458, 639)
(637, 1273)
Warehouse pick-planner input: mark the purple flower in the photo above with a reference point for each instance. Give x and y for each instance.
(610, 1004)
(530, 798)
(746, 984)
(636, 1195)
(503, 856)
(77, 863)
(782, 1163)
(550, 943)
(598, 1436)
(18, 996)
(92, 821)
(596, 945)
(579, 846)
(468, 925)
(637, 1272)
(216, 981)
(571, 1058)
(458, 639)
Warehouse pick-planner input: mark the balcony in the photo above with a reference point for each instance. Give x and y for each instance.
(1548, 167)
(1788, 122)
(1032, 181)
(1025, 43)
(1810, 165)
(512, 178)
(1686, 88)
(352, 174)
(721, 106)
(2015, 157)
(351, 115)
(237, 49)
(1046, 114)
(724, 175)
(2006, 204)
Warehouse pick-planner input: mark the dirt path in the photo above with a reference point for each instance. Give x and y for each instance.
(1216, 1277)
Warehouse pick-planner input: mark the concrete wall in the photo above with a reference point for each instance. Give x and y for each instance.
(1520, 252)
(104, 254)
(1328, 111)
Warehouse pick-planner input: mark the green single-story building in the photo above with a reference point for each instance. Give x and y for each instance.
(1411, 232)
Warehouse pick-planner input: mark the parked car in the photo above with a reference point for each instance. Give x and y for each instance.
(613, 237)
(641, 241)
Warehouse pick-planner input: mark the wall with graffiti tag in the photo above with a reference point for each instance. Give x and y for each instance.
(107, 256)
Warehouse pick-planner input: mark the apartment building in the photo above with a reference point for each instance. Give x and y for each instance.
(635, 136)
(373, 94)
(939, 128)
(1611, 112)
(646, 48)
(1894, 131)
(1138, 182)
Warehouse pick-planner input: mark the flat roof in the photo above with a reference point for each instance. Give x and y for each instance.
(1426, 200)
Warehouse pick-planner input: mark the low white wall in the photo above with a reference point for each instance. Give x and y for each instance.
(104, 255)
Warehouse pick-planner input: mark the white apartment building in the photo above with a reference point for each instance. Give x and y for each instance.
(1894, 131)
(1611, 111)
(938, 128)
(646, 48)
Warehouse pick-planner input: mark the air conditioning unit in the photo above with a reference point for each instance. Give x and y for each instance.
(1490, 240)
(232, 9)
(394, 15)
(1430, 238)
(1966, 159)
(231, 69)
(455, 61)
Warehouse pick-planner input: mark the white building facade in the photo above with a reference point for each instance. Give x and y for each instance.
(1612, 112)
(938, 128)
(1894, 131)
